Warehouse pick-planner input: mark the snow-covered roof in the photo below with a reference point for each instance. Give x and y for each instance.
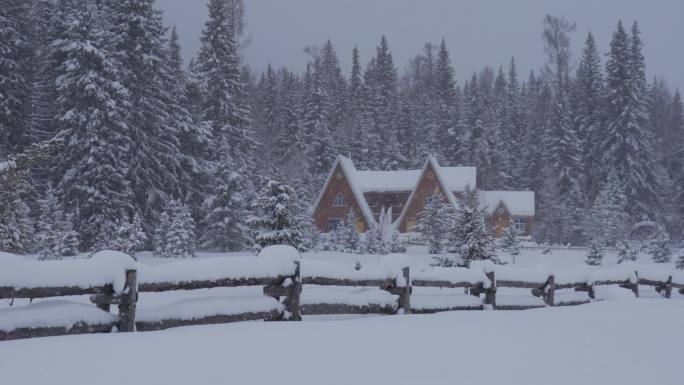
(454, 178)
(519, 203)
(387, 181)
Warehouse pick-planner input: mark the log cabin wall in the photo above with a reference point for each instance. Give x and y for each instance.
(328, 211)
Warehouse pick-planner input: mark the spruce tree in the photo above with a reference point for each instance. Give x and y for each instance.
(473, 240)
(225, 110)
(659, 247)
(56, 237)
(434, 222)
(224, 224)
(275, 220)
(92, 114)
(680, 262)
(596, 253)
(607, 218)
(625, 252)
(346, 238)
(626, 144)
(510, 242)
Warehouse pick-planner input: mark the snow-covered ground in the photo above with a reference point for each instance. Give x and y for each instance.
(622, 340)
(612, 342)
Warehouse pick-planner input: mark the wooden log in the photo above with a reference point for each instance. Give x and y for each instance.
(215, 319)
(443, 284)
(550, 290)
(129, 298)
(519, 284)
(490, 293)
(109, 291)
(46, 292)
(453, 308)
(78, 328)
(207, 284)
(668, 288)
(325, 281)
(588, 288)
(342, 308)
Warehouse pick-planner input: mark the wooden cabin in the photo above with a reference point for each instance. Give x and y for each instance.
(368, 193)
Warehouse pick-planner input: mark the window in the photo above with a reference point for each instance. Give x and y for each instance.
(339, 201)
(520, 225)
(333, 223)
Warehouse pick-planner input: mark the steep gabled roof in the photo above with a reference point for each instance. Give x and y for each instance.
(350, 173)
(518, 203)
(441, 179)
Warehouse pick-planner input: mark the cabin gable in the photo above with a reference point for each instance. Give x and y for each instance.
(427, 184)
(335, 202)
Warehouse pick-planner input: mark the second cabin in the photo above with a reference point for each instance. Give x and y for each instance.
(403, 193)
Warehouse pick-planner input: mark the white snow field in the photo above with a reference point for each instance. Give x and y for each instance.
(621, 342)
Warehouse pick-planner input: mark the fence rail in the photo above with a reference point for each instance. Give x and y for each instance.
(284, 293)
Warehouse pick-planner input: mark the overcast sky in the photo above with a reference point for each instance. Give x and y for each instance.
(478, 32)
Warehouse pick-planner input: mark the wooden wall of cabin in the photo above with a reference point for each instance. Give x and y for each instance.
(326, 209)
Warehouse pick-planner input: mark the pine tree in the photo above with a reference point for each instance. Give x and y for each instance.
(275, 221)
(345, 236)
(659, 247)
(510, 241)
(434, 222)
(607, 218)
(588, 106)
(92, 114)
(138, 39)
(180, 238)
(373, 242)
(626, 144)
(14, 18)
(625, 252)
(56, 237)
(224, 223)
(680, 262)
(225, 110)
(596, 253)
(473, 240)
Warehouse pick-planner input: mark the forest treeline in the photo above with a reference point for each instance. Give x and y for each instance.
(106, 135)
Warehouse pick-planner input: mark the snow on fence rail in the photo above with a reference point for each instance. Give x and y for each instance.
(113, 278)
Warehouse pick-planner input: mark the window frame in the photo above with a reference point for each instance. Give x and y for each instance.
(334, 223)
(339, 198)
(520, 224)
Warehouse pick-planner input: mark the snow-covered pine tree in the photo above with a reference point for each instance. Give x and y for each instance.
(175, 235)
(138, 41)
(224, 224)
(14, 52)
(607, 218)
(225, 110)
(473, 240)
(130, 236)
(679, 264)
(627, 143)
(596, 253)
(92, 115)
(625, 252)
(275, 220)
(180, 237)
(588, 118)
(56, 237)
(159, 240)
(659, 246)
(434, 222)
(510, 242)
(346, 238)
(373, 242)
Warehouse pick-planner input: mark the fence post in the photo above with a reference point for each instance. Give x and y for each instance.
(668, 288)
(490, 294)
(550, 290)
(635, 287)
(405, 294)
(292, 300)
(129, 297)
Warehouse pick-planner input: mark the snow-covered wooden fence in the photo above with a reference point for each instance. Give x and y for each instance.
(385, 288)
